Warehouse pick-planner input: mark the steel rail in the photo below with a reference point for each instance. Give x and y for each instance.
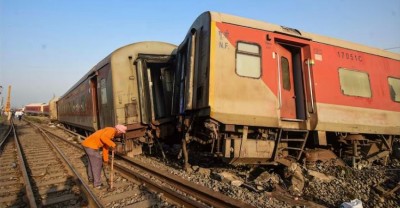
(169, 194)
(204, 194)
(93, 200)
(28, 185)
(3, 140)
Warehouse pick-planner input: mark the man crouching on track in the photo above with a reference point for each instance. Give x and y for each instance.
(92, 144)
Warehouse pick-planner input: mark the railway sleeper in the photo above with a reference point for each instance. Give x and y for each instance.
(11, 190)
(60, 200)
(124, 195)
(54, 189)
(10, 182)
(387, 191)
(145, 203)
(10, 198)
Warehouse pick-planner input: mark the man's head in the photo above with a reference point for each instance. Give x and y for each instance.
(121, 129)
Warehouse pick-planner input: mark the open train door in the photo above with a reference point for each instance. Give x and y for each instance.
(292, 100)
(155, 80)
(291, 86)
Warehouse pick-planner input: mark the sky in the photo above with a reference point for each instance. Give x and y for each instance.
(46, 46)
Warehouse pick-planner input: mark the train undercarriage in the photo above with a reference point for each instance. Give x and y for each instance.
(361, 150)
(238, 145)
(139, 136)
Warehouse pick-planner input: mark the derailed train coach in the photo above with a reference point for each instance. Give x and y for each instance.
(131, 86)
(53, 108)
(258, 93)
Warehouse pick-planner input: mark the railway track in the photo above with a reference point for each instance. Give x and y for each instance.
(128, 192)
(138, 185)
(34, 174)
(12, 190)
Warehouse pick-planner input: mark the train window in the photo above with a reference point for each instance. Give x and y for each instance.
(83, 103)
(103, 91)
(394, 87)
(354, 83)
(285, 73)
(248, 60)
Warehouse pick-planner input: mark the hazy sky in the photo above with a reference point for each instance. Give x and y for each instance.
(47, 46)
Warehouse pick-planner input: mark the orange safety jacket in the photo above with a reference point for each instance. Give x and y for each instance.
(101, 138)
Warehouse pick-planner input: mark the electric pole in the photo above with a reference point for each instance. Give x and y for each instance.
(8, 103)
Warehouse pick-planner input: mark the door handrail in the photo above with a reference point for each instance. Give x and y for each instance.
(279, 83)
(308, 62)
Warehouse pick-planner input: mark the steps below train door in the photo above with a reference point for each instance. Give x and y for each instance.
(291, 143)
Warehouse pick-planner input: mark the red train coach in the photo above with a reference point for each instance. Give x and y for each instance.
(37, 109)
(256, 92)
(131, 86)
(46, 109)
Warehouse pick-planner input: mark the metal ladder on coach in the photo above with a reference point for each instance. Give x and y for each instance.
(291, 142)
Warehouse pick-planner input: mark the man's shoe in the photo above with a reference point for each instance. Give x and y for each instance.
(99, 186)
(90, 180)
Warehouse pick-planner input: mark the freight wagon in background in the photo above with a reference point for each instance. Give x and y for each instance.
(257, 93)
(131, 86)
(37, 109)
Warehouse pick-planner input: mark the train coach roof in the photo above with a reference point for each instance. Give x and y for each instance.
(221, 17)
(107, 59)
(36, 104)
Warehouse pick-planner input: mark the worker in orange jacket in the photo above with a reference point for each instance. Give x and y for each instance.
(92, 144)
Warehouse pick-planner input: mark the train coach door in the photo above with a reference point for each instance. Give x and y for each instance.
(290, 81)
(286, 89)
(95, 108)
(155, 80)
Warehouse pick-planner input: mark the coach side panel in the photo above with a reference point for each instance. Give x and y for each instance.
(75, 108)
(32, 110)
(246, 78)
(353, 92)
